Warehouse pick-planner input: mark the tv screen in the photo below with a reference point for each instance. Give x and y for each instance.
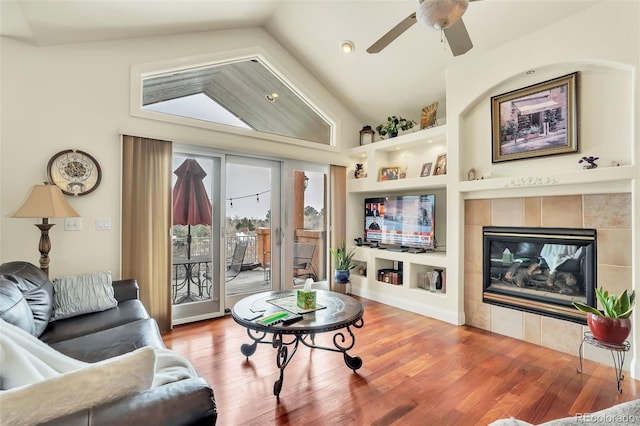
(405, 221)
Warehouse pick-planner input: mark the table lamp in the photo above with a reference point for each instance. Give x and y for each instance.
(45, 201)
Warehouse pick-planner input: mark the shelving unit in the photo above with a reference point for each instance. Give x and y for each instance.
(408, 152)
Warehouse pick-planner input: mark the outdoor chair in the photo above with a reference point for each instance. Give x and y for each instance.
(303, 260)
(234, 266)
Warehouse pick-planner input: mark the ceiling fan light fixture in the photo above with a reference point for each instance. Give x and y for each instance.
(440, 14)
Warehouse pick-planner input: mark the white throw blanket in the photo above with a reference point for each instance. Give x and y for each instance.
(31, 370)
(24, 359)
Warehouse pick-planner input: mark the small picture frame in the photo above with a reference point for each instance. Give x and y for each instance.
(441, 165)
(426, 169)
(387, 173)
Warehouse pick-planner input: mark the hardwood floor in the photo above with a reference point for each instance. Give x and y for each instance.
(416, 371)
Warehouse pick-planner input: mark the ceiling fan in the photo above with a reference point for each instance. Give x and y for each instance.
(443, 15)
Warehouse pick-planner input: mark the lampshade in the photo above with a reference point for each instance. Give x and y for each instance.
(440, 14)
(45, 201)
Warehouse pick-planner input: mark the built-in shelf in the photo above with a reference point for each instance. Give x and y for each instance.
(408, 152)
(363, 185)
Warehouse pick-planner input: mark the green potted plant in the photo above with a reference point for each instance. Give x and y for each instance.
(343, 262)
(612, 324)
(393, 125)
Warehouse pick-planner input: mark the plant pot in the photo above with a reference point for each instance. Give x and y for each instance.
(342, 276)
(611, 330)
(393, 134)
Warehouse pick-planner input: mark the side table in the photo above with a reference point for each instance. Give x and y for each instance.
(618, 352)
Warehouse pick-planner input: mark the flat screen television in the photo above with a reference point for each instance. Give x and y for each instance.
(401, 221)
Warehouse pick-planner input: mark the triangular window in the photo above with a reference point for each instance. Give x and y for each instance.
(246, 93)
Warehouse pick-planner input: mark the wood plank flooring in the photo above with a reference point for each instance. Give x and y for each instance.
(416, 371)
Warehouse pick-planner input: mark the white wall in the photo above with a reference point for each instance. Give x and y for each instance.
(603, 43)
(78, 96)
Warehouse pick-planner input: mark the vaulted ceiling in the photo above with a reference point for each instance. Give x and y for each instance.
(406, 76)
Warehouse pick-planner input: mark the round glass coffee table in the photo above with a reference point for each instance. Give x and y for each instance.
(335, 312)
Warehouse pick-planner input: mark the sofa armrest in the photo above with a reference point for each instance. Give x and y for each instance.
(185, 402)
(126, 290)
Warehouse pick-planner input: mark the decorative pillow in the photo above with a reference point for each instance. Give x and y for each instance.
(82, 294)
(13, 308)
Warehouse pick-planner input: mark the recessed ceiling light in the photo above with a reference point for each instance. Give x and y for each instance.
(272, 97)
(347, 47)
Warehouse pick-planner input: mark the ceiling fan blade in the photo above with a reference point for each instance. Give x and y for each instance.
(393, 33)
(458, 38)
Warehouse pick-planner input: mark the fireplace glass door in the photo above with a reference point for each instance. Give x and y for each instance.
(541, 270)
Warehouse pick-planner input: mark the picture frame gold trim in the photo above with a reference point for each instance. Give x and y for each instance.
(536, 121)
(387, 173)
(440, 167)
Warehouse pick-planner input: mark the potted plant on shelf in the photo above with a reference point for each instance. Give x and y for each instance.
(393, 125)
(343, 262)
(612, 324)
(590, 162)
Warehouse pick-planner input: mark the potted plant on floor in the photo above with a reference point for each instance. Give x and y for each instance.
(612, 324)
(343, 262)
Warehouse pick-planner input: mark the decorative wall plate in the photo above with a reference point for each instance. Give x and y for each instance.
(74, 172)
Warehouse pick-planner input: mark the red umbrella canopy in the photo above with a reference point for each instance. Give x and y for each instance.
(191, 204)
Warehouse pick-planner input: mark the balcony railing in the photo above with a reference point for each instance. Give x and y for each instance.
(257, 248)
(201, 246)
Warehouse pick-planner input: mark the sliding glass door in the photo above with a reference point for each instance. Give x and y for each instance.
(252, 229)
(231, 235)
(195, 286)
(307, 232)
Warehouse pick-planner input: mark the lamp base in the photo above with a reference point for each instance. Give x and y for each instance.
(45, 244)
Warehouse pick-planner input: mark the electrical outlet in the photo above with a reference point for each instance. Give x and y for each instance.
(103, 223)
(73, 224)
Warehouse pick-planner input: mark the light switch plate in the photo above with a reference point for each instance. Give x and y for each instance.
(73, 224)
(103, 223)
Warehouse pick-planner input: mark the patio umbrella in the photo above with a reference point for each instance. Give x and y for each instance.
(191, 204)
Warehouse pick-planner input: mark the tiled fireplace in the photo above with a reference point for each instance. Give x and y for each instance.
(539, 270)
(608, 214)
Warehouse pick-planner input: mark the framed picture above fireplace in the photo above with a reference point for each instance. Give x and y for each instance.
(540, 270)
(535, 121)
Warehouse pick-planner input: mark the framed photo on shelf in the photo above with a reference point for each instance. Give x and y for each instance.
(388, 173)
(535, 121)
(441, 165)
(426, 169)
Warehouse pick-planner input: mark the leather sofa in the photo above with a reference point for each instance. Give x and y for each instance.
(97, 336)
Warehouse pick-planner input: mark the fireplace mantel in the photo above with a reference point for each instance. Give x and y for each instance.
(601, 180)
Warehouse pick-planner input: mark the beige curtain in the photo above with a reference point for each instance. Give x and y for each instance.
(338, 207)
(146, 222)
